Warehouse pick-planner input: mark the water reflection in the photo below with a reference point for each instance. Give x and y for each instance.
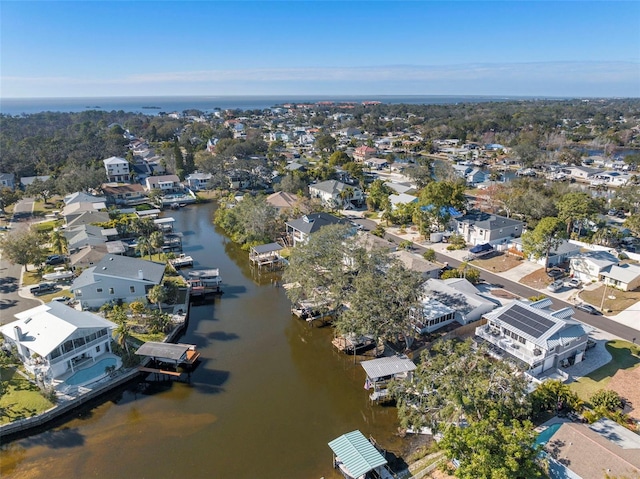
(269, 387)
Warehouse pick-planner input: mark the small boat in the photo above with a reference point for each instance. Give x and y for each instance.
(58, 275)
(181, 260)
(182, 205)
(174, 206)
(207, 277)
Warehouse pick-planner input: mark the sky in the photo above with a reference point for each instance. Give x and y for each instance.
(175, 48)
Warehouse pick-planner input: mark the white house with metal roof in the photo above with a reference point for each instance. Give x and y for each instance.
(449, 300)
(331, 193)
(588, 266)
(116, 278)
(117, 169)
(531, 332)
(54, 339)
(625, 276)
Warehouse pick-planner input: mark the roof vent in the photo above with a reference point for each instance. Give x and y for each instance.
(103, 268)
(111, 259)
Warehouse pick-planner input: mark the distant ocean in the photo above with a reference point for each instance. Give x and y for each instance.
(153, 105)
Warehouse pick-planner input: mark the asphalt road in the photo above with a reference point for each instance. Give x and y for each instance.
(600, 322)
(10, 302)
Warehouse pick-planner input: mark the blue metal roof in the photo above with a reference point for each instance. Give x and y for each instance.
(356, 453)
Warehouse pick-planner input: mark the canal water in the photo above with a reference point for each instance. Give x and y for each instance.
(269, 395)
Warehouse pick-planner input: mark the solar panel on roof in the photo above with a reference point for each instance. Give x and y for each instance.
(526, 321)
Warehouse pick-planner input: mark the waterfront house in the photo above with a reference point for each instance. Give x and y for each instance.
(610, 178)
(125, 194)
(588, 266)
(582, 173)
(117, 169)
(165, 183)
(54, 339)
(116, 278)
(363, 153)
(535, 335)
(88, 256)
(198, 181)
(299, 230)
(376, 163)
(592, 451)
(449, 300)
(400, 188)
(8, 180)
(478, 227)
(624, 276)
(86, 235)
(335, 194)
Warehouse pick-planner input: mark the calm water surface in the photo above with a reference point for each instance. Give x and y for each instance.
(269, 394)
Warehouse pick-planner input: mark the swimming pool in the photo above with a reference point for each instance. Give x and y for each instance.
(95, 371)
(545, 435)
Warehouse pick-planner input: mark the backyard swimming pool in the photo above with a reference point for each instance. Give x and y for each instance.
(545, 435)
(94, 371)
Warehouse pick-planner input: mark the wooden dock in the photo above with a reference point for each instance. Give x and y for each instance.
(144, 369)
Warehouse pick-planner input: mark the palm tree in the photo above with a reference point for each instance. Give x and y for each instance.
(157, 295)
(156, 240)
(58, 242)
(143, 246)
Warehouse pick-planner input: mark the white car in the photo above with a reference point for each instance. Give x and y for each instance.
(556, 285)
(574, 283)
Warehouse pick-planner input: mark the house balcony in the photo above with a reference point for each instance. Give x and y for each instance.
(508, 345)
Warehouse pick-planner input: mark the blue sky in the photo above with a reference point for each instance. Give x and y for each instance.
(124, 48)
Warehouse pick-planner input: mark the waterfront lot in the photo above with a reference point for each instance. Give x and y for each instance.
(20, 398)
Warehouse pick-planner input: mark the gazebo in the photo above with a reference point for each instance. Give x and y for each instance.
(266, 255)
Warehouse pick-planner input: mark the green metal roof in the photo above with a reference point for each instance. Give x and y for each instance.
(356, 453)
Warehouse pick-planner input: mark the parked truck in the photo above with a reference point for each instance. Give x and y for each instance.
(42, 288)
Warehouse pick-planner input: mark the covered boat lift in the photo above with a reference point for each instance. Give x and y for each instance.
(356, 457)
(169, 354)
(382, 370)
(266, 255)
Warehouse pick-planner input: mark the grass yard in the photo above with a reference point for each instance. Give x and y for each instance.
(31, 277)
(622, 299)
(21, 399)
(625, 355)
(497, 262)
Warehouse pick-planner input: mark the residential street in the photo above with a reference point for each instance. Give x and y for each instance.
(10, 302)
(605, 324)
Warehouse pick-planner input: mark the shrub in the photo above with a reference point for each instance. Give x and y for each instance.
(606, 399)
(429, 255)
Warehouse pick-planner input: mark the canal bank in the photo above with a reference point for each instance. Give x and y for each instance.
(268, 396)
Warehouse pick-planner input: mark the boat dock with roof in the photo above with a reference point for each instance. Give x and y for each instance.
(166, 358)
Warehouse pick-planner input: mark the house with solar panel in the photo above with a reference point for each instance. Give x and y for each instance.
(535, 336)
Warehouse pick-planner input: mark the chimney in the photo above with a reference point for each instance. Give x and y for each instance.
(140, 274)
(18, 333)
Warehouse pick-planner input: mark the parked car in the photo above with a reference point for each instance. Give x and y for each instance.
(42, 288)
(587, 308)
(555, 273)
(556, 285)
(574, 283)
(612, 212)
(54, 259)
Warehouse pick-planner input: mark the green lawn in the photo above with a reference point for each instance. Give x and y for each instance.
(625, 355)
(21, 399)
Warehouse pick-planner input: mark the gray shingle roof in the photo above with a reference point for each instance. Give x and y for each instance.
(487, 221)
(313, 222)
